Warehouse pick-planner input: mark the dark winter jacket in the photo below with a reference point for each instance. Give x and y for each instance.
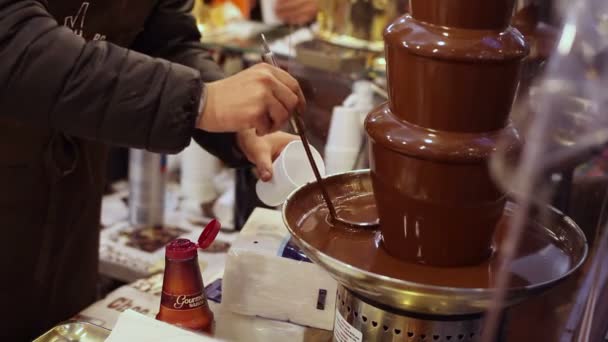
(76, 76)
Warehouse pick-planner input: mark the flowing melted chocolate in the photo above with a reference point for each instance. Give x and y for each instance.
(539, 259)
(453, 70)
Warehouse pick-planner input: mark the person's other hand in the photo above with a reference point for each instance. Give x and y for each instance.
(261, 97)
(263, 150)
(296, 12)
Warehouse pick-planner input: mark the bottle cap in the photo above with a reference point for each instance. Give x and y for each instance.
(185, 249)
(181, 249)
(209, 234)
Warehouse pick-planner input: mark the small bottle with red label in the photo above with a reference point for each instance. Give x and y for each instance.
(183, 301)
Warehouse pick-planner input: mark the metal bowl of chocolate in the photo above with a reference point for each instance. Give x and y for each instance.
(552, 248)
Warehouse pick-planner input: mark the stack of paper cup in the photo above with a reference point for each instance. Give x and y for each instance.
(361, 99)
(344, 140)
(223, 208)
(289, 171)
(268, 12)
(198, 169)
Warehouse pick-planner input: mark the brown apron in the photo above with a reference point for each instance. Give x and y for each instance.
(50, 195)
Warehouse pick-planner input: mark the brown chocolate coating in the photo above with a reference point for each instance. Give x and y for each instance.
(450, 95)
(436, 200)
(463, 82)
(363, 248)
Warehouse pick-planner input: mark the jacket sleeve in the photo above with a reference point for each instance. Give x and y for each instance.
(94, 90)
(171, 33)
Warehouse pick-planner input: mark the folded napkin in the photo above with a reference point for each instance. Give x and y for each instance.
(133, 326)
(266, 275)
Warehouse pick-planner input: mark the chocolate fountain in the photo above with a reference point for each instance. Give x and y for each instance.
(427, 274)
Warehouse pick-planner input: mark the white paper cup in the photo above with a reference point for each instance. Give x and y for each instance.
(289, 171)
(269, 15)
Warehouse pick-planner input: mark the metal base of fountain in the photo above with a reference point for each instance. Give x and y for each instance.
(371, 321)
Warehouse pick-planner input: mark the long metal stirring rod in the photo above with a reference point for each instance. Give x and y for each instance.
(298, 126)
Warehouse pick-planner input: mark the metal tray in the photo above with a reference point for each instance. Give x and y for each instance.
(75, 332)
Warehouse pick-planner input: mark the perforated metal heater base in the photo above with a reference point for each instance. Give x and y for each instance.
(376, 322)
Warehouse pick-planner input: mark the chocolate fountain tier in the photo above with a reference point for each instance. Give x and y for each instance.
(452, 71)
(553, 248)
(452, 79)
(437, 202)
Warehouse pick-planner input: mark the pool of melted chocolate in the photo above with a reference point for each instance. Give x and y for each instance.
(542, 256)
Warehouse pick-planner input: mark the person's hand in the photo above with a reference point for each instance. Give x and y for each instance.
(296, 12)
(261, 97)
(262, 151)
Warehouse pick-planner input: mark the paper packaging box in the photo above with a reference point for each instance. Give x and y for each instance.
(267, 276)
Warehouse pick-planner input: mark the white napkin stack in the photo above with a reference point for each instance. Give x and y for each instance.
(240, 328)
(133, 326)
(259, 281)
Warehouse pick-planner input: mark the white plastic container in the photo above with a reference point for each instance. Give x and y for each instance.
(290, 170)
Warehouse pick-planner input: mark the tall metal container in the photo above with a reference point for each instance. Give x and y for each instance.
(147, 177)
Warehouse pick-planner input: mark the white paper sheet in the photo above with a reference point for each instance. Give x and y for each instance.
(133, 326)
